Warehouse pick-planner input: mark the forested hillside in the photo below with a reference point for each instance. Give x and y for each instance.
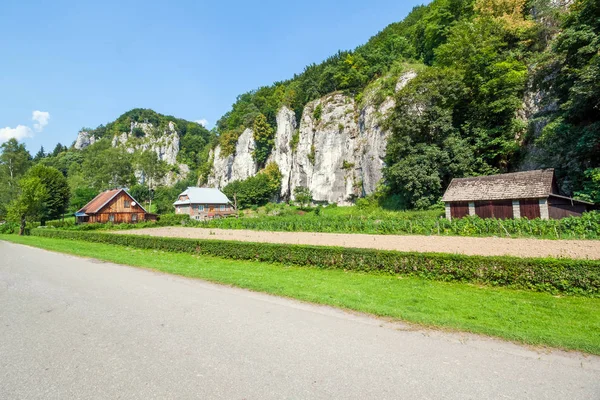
(495, 86)
(128, 152)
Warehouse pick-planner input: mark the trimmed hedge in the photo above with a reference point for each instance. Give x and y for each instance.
(568, 276)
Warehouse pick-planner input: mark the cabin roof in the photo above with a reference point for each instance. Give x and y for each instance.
(98, 202)
(517, 185)
(198, 195)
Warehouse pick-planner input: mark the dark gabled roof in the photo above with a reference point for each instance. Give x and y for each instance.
(517, 185)
(102, 199)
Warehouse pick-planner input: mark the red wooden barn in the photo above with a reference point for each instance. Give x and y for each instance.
(115, 206)
(529, 194)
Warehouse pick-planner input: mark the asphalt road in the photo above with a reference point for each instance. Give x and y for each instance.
(73, 328)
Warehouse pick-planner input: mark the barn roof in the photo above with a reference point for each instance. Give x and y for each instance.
(517, 185)
(96, 204)
(198, 195)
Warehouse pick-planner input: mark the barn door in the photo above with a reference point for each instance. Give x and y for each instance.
(530, 209)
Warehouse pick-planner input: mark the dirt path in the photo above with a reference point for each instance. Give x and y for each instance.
(440, 244)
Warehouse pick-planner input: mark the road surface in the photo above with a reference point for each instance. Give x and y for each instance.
(483, 246)
(73, 328)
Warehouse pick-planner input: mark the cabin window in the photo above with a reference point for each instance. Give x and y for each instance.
(200, 208)
(133, 217)
(222, 207)
(127, 204)
(111, 217)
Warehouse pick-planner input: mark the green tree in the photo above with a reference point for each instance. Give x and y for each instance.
(105, 167)
(264, 139)
(30, 205)
(15, 159)
(14, 162)
(302, 195)
(81, 196)
(572, 79)
(257, 190)
(426, 150)
(39, 155)
(57, 188)
(152, 169)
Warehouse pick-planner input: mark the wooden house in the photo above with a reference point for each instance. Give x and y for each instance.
(529, 194)
(203, 203)
(116, 206)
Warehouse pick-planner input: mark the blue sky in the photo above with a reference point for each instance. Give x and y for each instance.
(85, 63)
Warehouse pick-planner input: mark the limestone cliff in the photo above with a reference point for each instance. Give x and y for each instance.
(164, 143)
(338, 152)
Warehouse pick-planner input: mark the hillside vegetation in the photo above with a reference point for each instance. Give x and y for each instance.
(493, 73)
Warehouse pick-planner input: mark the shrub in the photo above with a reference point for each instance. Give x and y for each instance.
(541, 274)
(9, 228)
(318, 112)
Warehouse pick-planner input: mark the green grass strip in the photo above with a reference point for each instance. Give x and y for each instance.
(522, 316)
(564, 276)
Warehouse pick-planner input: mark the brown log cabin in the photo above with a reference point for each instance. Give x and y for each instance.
(529, 194)
(115, 206)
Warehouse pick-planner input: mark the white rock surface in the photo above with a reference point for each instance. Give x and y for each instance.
(84, 139)
(282, 153)
(238, 166)
(325, 147)
(338, 157)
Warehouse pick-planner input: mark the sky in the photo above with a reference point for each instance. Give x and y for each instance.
(65, 65)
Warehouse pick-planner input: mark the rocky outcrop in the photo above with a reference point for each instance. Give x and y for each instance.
(326, 158)
(283, 153)
(337, 150)
(237, 166)
(84, 139)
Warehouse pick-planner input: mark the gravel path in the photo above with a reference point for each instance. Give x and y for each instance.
(589, 249)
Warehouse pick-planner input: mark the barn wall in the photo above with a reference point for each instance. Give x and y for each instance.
(561, 208)
(501, 209)
(530, 208)
(459, 209)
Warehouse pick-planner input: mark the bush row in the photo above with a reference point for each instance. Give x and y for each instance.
(585, 227)
(548, 275)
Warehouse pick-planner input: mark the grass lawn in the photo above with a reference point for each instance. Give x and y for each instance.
(522, 316)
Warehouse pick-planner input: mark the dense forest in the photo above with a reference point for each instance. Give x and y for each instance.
(501, 84)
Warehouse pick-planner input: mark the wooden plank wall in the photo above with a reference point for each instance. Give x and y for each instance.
(530, 208)
(561, 208)
(459, 209)
(122, 214)
(501, 209)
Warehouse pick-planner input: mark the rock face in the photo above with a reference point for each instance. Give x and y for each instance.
(237, 166)
(84, 139)
(325, 160)
(283, 153)
(338, 152)
(164, 144)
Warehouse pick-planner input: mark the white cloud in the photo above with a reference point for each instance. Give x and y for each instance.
(41, 120)
(202, 122)
(20, 132)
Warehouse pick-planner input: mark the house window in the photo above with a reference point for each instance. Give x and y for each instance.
(222, 207)
(133, 217)
(127, 203)
(111, 217)
(200, 208)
